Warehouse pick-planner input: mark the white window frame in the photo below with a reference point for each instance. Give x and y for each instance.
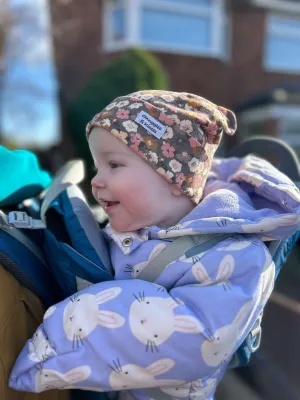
(133, 10)
(278, 5)
(283, 32)
(279, 112)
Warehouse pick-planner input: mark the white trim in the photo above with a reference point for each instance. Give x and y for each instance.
(116, 46)
(107, 26)
(256, 115)
(272, 111)
(283, 70)
(187, 50)
(279, 5)
(188, 9)
(284, 32)
(133, 27)
(165, 48)
(226, 45)
(217, 26)
(281, 113)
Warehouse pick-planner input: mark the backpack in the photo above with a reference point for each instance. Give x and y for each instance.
(52, 244)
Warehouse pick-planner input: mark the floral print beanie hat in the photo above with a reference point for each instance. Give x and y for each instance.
(176, 133)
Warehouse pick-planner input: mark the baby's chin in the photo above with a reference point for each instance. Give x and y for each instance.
(120, 227)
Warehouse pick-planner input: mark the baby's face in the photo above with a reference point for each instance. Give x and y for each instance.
(133, 195)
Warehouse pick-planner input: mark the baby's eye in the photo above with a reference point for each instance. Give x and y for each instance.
(114, 165)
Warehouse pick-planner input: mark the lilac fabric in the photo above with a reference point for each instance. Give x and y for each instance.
(179, 333)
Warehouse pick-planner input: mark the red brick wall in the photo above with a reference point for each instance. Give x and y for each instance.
(78, 53)
(204, 76)
(77, 28)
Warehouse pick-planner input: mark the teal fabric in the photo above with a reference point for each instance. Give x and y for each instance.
(20, 176)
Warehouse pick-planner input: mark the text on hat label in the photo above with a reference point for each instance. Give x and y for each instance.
(151, 124)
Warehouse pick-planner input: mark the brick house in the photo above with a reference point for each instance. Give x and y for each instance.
(243, 54)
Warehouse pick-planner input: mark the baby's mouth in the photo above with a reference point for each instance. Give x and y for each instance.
(107, 205)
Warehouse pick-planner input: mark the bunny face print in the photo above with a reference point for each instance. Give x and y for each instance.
(152, 321)
(46, 379)
(269, 224)
(225, 270)
(177, 392)
(197, 390)
(39, 347)
(82, 315)
(134, 376)
(217, 349)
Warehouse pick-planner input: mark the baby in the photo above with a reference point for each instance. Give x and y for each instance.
(153, 152)
(157, 181)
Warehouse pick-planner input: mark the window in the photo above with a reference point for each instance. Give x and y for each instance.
(282, 52)
(115, 19)
(181, 26)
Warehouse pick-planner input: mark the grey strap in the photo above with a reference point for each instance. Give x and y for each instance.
(71, 174)
(18, 235)
(176, 249)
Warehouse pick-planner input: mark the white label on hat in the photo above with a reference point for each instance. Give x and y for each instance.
(151, 124)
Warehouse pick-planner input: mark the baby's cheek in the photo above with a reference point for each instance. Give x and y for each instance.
(127, 191)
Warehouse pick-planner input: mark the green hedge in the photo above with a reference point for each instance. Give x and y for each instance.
(133, 70)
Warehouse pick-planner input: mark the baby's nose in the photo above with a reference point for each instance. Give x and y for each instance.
(98, 182)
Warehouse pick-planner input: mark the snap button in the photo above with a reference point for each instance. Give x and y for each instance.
(127, 242)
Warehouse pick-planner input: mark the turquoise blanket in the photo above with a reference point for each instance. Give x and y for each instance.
(20, 176)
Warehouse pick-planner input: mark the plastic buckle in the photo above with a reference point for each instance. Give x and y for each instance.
(254, 338)
(20, 219)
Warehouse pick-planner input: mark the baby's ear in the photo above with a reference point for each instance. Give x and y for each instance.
(176, 191)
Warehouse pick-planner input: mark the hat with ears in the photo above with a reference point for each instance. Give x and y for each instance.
(177, 134)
